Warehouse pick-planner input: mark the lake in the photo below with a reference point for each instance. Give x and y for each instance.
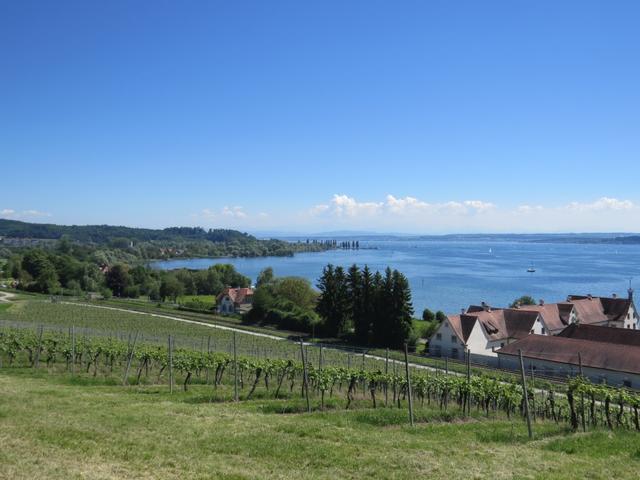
(449, 275)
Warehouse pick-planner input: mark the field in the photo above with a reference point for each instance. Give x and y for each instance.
(61, 418)
(58, 428)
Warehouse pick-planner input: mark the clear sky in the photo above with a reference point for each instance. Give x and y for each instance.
(425, 116)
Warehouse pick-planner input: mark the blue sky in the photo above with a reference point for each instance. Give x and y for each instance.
(426, 116)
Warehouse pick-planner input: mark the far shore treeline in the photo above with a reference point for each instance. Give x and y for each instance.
(358, 306)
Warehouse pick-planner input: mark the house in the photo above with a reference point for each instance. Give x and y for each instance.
(481, 330)
(606, 311)
(605, 354)
(234, 300)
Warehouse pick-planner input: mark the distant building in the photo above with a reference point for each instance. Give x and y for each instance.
(482, 329)
(234, 300)
(607, 355)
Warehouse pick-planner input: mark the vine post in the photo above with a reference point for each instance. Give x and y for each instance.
(446, 365)
(73, 350)
(525, 395)
(305, 378)
(170, 364)
(208, 352)
(406, 368)
(468, 381)
(235, 368)
(131, 350)
(584, 422)
(533, 392)
(36, 360)
(386, 372)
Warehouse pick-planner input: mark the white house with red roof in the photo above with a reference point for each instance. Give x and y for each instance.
(234, 300)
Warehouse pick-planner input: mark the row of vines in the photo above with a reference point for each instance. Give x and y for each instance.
(582, 403)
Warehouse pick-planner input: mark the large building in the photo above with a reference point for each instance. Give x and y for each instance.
(607, 355)
(481, 329)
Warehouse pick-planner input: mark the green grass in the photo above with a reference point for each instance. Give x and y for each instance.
(208, 299)
(58, 428)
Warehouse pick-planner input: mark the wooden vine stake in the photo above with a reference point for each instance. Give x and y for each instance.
(73, 350)
(525, 395)
(584, 422)
(406, 368)
(170, 364)
(36, 360)
(133, 347)
(386, 372)
(235, 369)
(305, 378)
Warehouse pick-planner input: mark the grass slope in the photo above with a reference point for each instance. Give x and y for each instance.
(56, 427)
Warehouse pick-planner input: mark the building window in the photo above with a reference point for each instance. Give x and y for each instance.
(543, 331)
(454, 339)
(626, 383)
(502, 343)
(438, 336)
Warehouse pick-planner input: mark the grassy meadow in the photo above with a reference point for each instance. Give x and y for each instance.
(58, 427)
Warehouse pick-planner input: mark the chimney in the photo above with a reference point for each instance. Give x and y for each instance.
(462, 311)
(517, 305)
(589, 296)
(614, 295)
(486, 307)
(541, 302)
(630, 292)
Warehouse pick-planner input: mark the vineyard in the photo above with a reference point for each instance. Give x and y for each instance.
(137, 362)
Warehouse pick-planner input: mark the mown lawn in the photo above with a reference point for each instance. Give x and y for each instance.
(56, 427)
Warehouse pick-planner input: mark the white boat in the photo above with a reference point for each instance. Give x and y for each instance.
(531, 269)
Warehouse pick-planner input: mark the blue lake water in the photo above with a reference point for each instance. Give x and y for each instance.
(448, 275)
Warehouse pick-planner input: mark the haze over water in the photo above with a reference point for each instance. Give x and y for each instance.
(449, 275)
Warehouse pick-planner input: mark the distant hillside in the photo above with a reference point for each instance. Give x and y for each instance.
(145, 243)
(101, 234)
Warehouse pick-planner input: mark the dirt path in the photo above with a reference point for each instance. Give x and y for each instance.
(245, 332)
(6, 297)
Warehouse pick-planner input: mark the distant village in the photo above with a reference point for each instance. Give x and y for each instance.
(598, 336)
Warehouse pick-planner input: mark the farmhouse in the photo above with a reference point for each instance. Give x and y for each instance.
(234, 300)
(606, 354)
(481, 330)
(606, 311)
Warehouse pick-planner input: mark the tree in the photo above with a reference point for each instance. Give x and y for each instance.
(428, 315)
(117, 279)
(297, 290)
(333, 303)
(266, 276)
(367, 312)
(171, 288)
(355, 286)
(523, 300)
(401, 321)
(440, 316)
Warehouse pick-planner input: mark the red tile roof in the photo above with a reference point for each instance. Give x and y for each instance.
(599, 309)
(556, 316)
(237, 295)
(497, 324)
(617, 336)
(623, 358)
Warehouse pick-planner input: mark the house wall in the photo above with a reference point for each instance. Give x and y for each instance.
(545, 367)
(226, 305)
(446, 343)
(632, 321)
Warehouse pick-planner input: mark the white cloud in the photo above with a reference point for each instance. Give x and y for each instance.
(604, 203)
(346, 206)
(25, 214)
(411, 214)
(235, 212)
